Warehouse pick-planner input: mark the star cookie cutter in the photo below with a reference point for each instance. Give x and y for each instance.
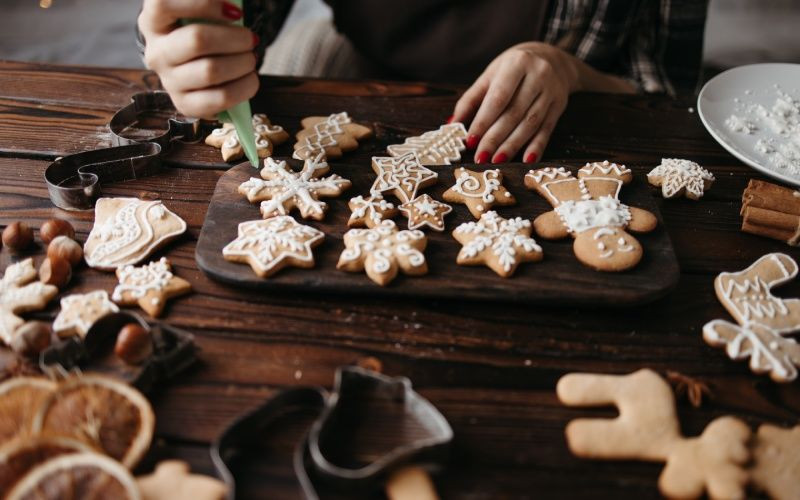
(73, 181)
(422, 433)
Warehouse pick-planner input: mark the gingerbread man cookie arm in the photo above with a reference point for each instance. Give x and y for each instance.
(642, 221)
(548, 225)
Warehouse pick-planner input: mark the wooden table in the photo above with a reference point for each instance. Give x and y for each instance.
(490, 368)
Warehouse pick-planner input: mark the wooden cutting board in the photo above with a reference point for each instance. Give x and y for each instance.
(559, 278)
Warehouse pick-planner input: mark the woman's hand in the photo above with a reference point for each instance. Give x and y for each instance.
(519, 98)
(206, 68)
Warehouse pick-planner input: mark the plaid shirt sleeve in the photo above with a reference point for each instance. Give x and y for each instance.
(655, 44)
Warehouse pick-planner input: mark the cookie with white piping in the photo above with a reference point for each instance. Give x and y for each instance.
(479, 191)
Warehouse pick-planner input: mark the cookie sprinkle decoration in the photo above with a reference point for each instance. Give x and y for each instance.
(425, 211)
(681, 177)
(150, 286)
(479, 191)
(402, 176)
(370, 211)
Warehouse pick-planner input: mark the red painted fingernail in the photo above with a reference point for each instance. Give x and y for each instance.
(531, 158)
(256, 40)
(230, 11)
(450, 120)
(482, 157)
(500, 158)
(472, 141)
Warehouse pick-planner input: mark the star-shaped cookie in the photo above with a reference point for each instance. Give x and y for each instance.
(681, 177)
(18, 295)
(479, 191)
(267, 137)
(370, 211)
(402, 176)
(149, 286)
(425, 211)
(80, 311)
(270, 245)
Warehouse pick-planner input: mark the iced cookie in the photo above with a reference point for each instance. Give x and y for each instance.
(80, 311)
(267, 137)
(369, 211)
(281, 189)
(402, 176)
(680, 178)
(776, 461)
(425, 211)
(173, 481)
(479, 191)
(128, 230)
(382, 251)
(329, 135)
(19, 293)
(149, 286)
(437, 147)
(588, 209)
(272, 244)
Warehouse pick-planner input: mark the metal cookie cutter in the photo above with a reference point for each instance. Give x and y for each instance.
(73, 181)
(336, 451)
(173, 352)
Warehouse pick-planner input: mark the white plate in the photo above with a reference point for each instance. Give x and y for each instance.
(752, 84)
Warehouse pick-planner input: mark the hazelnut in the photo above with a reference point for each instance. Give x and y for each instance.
(55, 227)
(31, 338)
(17, 236)
(133, 344)
(63, 247)
(56, 272)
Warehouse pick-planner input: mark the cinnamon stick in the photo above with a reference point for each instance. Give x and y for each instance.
(772, 211)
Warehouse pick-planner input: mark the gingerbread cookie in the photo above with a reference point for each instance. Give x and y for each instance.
(437, 147)
(382, 251)
(500, 244)
(272, 244)
(764, 320)
(172, 481)
(329, 135)
(425, 211)
(479, 191)
(680, 177)
(776, 461)
(267, 137)
(648, 429)
(369, 211)
(19, 293)
(588, 209)
(281, 189)
(402, 176)
(149, 286)
(80, 311)
(128, 230)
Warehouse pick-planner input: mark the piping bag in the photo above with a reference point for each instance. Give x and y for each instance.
(240, 115)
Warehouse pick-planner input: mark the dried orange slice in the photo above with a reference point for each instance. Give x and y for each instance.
(103, 411)
(20, 397)
(22, 454)
(77, 475)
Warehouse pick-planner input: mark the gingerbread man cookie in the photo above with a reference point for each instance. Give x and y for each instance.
(128, 230)
(173, 481)
(500, 244)
(382, 251)
(648, 429)
(764, 320)
(267, 137)
(149, 286)
(680, 177)
(281, 189)
(272, 244)
(588, 209)
(19, 293)
(425, 211)
(369, 211)
(402, 176)
(776, 461)
(436, 147)
(479, 191)
(328, 135)
(80, 311)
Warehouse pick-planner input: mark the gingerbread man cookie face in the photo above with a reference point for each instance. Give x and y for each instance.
(19, 293)
(383, 251)
(681, 177)
(149, 286)
(370, 211)
(128, 230)
(330, 136)
(80, 311)
(479, 191)
(267, 136)
(436, 147)
(402, 176)
(425, 211)
(281, 189)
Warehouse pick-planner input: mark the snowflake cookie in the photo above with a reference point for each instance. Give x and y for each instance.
(500, 244)
(128, 230)
(764, 320)
(437, 147)
(402, 176)
(281, 189)
(588, 209)
(382, 251)
(425, 211)
(149, 286)
(267, 137)
(681, 177)
(80, 311)
(369, 211)
(272, 244)
(479, 191)
(328, 135)
(19, 293)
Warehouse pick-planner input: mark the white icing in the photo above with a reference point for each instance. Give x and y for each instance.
(402, 175)
(263, 131)
(436, 147)
(80, 311)
(549, 173)
(506, 238)
(483, 188)
(372, 208)
(604, 167)
(384, 244)
(18, 294)
(425, 211)
(324, 136)
(579, 216)
(136, 282)
(674, 175)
